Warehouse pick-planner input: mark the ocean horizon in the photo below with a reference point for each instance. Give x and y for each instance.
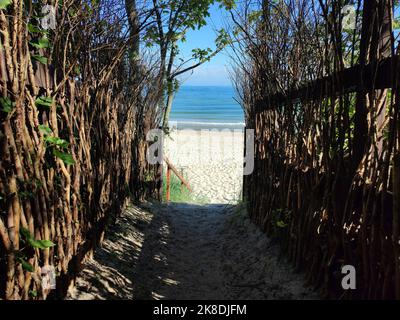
(206, 107)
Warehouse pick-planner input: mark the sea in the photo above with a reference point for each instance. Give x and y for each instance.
(206, 107)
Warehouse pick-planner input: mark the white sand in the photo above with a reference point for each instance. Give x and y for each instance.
(211, 161)
(187, 251)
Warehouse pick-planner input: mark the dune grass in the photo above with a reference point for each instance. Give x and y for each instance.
(178, 193)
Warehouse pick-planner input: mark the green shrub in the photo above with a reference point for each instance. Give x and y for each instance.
(178, 193)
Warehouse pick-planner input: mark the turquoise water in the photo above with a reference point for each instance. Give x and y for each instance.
(206, 107)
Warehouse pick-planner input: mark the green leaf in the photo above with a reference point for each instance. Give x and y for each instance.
(26, 265)
(42, 43)
(33, 293)
(40, 58)
(4, 4)
(41, 244)
(255, 16)
(26, 234)
(47, 243)
(33, 29)
(65, 157)
(281, 224)
(45, 130)
(44, 101)
(56, 141)
(228, 4)
(396, 24)
(6, 104)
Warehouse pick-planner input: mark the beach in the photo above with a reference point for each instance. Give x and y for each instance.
(206, 249)
(211, 160)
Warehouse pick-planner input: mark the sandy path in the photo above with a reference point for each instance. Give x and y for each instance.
(211, 161)
(187, 259)
(188, 252)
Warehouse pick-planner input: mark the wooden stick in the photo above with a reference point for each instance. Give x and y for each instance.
(169, 184)
(176, 172)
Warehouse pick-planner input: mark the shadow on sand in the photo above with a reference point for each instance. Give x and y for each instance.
(189, 252)
(156, 252)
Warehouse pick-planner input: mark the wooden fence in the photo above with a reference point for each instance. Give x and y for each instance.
(171, 168)
(326, 182)
(68, 153)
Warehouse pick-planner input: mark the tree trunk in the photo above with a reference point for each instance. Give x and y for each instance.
(134, 41)
(170, 100)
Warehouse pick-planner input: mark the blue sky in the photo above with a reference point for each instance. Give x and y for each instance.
(215, 72)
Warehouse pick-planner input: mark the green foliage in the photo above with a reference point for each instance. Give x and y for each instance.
(33, 293)
(41, 43)
(223, 39)
(44, 101)
(40, 58)
(77, 70)
(30, 243)
(280, 221)
(176, 18)
(26, 265)
(33, 29)
(228, 4)
(56, 141)
(6, 104)
(65, 157)
(178, 194)
(4, 4)
(58, 146)
(176, 85)
(180, 16)
(172, 20)
(281, 224)
(202, 55)
(151, 37)
(254, 16)
(396, 24)
(39, 244)
(26, 194)
(45, 130)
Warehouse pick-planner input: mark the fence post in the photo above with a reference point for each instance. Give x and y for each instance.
(168, 183)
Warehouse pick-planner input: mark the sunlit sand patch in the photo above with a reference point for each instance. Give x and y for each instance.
(211, 161)
(157, 296)
(170, 282)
